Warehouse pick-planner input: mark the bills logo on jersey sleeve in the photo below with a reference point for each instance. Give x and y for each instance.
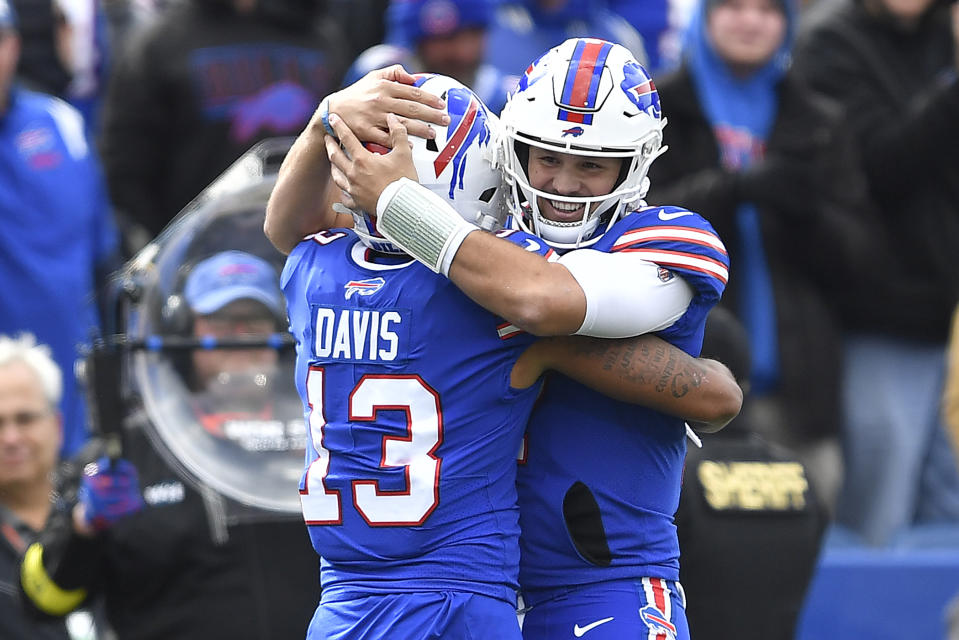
(664, 274)
(640, 89)
(583, 78)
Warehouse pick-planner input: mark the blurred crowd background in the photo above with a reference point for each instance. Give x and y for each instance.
(821, 140)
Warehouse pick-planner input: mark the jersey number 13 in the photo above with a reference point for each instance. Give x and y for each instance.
(414, 452)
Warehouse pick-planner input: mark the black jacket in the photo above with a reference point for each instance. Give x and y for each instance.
(201, 86)
(15, 536)
(166, 572)
(901, 92)
(809, 195)
(750, 528)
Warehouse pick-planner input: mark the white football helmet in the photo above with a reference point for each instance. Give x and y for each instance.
(586, 97)
(456, 165)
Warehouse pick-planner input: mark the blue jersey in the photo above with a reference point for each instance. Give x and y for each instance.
(57, 228)
(600, 480)
(413, 425)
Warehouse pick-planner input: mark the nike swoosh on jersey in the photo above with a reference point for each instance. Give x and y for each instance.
(578, 631)
(671, 216)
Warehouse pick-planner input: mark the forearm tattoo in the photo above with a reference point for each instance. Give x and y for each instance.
(642, 361)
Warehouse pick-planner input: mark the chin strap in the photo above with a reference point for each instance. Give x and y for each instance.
(421, 223)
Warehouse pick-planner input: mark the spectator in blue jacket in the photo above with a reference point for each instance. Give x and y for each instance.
(57, 231)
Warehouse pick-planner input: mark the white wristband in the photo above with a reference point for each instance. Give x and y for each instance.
(421, 223)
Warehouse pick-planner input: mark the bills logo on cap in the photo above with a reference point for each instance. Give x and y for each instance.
(573, 131)
(439, 17)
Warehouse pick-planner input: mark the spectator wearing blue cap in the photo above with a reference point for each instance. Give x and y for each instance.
(232, 294)
(58, 232)
(441, 36)
(163, 554)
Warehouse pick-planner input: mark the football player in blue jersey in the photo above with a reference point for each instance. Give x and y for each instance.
(599, 548)
(416, 400)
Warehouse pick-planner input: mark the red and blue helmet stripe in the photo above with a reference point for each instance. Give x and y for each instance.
(582, 80)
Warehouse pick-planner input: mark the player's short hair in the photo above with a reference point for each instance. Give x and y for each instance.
(24, 348)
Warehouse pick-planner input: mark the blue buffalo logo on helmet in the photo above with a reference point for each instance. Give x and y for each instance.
(640, 89)
(533, 72)
(467, 123)
(573, 131)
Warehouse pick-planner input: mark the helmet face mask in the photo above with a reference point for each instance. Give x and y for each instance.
(456, 165)
(589, 98)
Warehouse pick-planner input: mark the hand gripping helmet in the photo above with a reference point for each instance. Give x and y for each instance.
(586, 97)
(456, 165)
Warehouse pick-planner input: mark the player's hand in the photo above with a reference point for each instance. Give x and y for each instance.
(361, 174)
(109, 491)
(365, 104)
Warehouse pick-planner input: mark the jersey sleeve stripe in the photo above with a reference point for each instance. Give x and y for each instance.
(686, 260)
(507, 331)
(670, 234)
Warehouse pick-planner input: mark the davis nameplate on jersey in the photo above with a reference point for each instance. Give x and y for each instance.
(348, 334)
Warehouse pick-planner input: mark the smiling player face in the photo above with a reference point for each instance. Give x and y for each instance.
(569, 175)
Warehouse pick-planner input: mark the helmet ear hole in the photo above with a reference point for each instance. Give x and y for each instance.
(626, 164)
(431, 145)
(487, 195)
(522, 154)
